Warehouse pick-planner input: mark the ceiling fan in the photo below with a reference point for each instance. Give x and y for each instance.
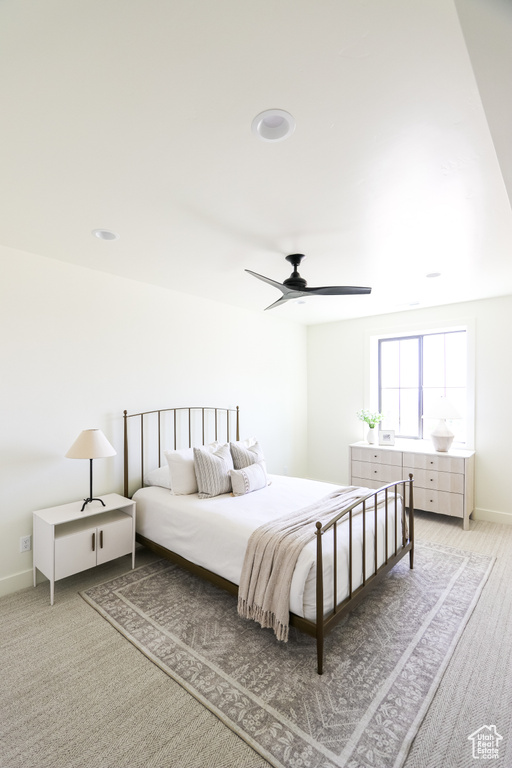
(295, 287)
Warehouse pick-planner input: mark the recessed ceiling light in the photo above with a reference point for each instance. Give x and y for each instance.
(434, 274)
(105, 234)
(273, 125)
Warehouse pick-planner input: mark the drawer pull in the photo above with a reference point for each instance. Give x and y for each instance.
(94, 542)
(101, 539)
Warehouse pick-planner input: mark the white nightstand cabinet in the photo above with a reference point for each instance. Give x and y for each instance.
(443, 482)
(68, 541)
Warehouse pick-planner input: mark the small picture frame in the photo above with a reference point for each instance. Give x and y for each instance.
(386, 437)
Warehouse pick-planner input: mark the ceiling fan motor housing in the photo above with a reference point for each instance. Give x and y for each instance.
(295, 280)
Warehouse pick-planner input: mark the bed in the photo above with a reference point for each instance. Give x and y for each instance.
(352, 548)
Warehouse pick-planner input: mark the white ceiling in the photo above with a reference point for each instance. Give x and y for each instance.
(135, 116)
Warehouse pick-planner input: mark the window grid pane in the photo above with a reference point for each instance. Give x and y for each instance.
(400, 386)
(415, 369)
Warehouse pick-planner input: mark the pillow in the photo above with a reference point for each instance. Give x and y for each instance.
(181, 471)
(160, 477)
(212, 465)
(246, 452)
(247, 480)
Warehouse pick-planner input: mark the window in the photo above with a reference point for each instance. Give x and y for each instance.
(413, 371)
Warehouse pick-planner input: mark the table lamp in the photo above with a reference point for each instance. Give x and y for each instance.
(441, 408)
(91, 444)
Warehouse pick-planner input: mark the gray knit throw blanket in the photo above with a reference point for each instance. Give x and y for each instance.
(272, 553)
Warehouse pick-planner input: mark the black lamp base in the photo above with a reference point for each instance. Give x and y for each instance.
(88, 501)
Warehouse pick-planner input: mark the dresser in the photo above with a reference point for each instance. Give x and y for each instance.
(443, 482)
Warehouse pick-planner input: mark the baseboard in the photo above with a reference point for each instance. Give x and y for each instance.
(14, 583)
(491, 516)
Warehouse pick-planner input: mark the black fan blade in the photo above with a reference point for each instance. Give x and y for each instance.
(332, 290)
(295, 287)
(338, 290)
(281, 300)
(283, 288)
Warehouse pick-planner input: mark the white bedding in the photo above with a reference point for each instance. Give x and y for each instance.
(214, 532)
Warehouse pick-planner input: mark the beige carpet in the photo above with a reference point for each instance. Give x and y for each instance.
(75, 693)
(382, 666)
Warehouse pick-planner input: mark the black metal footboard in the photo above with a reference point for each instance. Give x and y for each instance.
(394, 498)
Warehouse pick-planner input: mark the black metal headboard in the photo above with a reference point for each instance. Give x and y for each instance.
(149, 433)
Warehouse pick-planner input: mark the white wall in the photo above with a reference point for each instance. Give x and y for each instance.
(338, 376)
(79, 346)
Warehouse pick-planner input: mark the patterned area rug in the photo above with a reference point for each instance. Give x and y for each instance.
(383, 663)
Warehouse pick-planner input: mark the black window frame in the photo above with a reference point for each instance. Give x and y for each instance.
(407, 337)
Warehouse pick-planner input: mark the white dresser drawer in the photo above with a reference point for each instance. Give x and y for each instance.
(382, 472)
(436, 481)
(442, 502)
(365, 482)
(435, 462)
(377, 456)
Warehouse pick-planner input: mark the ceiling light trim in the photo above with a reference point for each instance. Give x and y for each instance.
(105, 234)
(273, 125)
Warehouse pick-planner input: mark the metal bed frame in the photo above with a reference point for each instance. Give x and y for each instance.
(210, 423)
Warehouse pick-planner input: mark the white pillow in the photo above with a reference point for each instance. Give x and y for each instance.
(212, 465)
(246, 452)
(249, 479)
(160, 477)
(181, 471)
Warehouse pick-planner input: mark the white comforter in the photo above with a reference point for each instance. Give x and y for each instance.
(213, 533)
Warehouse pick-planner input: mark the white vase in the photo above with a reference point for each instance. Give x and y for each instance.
(372, 435)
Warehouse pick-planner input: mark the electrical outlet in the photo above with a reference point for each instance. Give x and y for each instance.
(25, 543)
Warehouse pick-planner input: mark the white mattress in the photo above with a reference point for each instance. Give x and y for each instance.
(213, 533)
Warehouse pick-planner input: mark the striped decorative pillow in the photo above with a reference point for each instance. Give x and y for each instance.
(212, 470)
(245, 453)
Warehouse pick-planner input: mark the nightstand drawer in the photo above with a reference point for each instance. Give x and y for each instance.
(74, 553)
(436, 481)
(115, 539)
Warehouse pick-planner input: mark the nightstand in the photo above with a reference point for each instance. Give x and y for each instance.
(68, 541)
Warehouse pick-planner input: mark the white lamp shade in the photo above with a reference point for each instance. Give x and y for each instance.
(441, 408)
(91, 444)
